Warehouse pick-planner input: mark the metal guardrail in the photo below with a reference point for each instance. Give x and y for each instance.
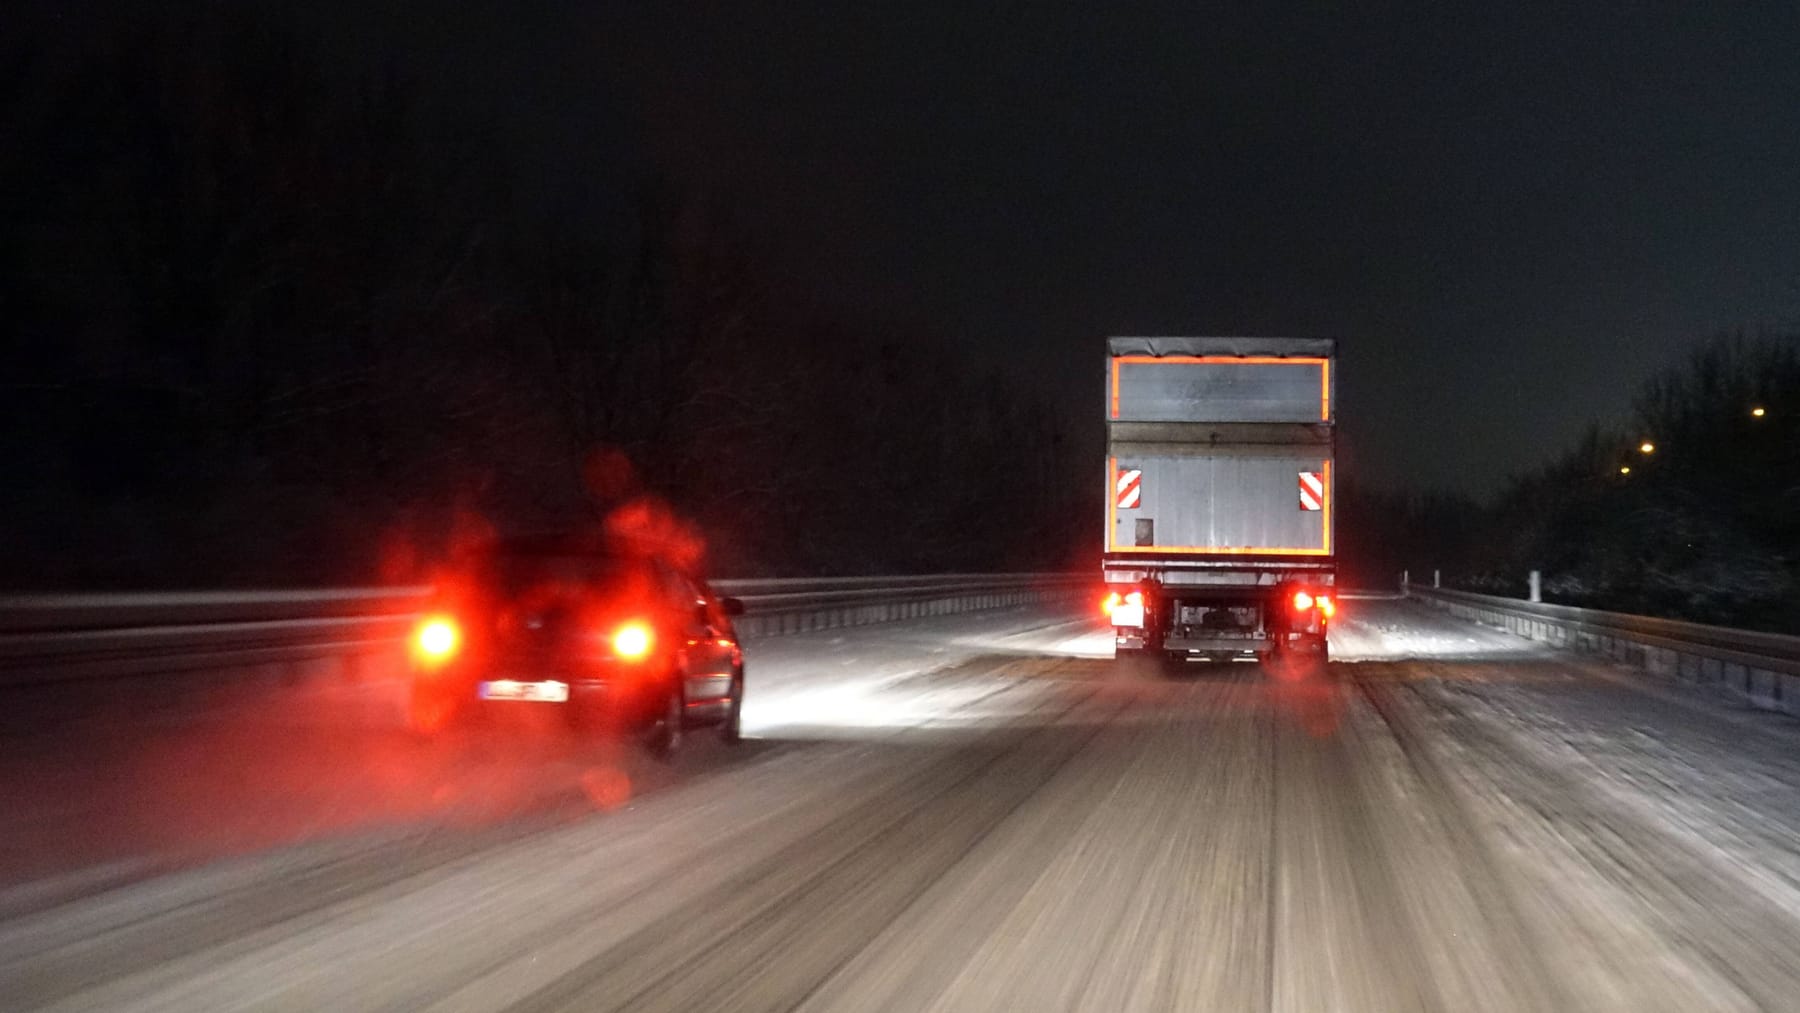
(54, 638)
(1762, 667)
(58, 637)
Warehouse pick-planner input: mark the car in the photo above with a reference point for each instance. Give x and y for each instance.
(612, 640)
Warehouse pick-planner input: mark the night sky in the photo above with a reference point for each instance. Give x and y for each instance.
(1509, 218)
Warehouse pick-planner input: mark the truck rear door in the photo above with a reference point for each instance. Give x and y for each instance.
(1220, 455)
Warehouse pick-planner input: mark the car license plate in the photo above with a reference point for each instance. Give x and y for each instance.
(548, 691)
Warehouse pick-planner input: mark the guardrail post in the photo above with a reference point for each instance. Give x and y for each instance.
(1437, 578)
(1537, 586)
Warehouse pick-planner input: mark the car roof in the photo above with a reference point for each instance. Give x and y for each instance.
(583, 545)
(551, 545)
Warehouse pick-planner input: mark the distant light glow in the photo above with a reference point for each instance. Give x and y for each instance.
(1758, 411)
(1646, 447)
(1625, 469)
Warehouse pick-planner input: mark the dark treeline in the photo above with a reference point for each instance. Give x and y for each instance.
(275, 318)
(1705, 527)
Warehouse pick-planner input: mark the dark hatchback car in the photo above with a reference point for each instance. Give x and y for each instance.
(611, 641)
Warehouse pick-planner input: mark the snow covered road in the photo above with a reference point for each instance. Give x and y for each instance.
(965, 813)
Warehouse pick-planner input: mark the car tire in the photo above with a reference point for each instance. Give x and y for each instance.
(668, 728)
(731, 730)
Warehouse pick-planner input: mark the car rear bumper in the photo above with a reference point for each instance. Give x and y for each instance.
(706, 696)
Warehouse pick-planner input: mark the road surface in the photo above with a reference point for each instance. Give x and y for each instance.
(965, 813)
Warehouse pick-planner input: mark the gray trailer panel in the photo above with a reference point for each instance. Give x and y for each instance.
(1221, 389)
(1247, 501)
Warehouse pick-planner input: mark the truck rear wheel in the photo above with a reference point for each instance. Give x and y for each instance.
(1303, 658)
(1135, 661)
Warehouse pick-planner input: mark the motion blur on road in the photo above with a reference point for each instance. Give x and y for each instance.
(967, 812)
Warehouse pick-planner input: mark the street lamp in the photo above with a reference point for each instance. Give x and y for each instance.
(1646, 447)
(1758, 412)
(1624, 469)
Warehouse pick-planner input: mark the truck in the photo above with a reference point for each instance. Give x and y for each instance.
(1219, 486)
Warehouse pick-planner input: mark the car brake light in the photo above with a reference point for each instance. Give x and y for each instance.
(633, 641)
(437, 639)
(1302, 601)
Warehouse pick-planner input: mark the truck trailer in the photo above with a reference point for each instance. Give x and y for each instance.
(1219, 486)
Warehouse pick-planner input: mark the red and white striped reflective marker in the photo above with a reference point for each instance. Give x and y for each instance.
(1130, 488)
(1312, 490)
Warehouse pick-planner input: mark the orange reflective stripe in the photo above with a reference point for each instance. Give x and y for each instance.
(1327, 505)
(1112, 499)
(1247, 360)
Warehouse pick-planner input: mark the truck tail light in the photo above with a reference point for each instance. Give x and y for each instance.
(1110, 602)
(1302, 601)
(436, 640)
(1326, 607)
(1128, 611)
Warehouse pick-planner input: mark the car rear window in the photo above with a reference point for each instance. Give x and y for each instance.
(515, 571)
